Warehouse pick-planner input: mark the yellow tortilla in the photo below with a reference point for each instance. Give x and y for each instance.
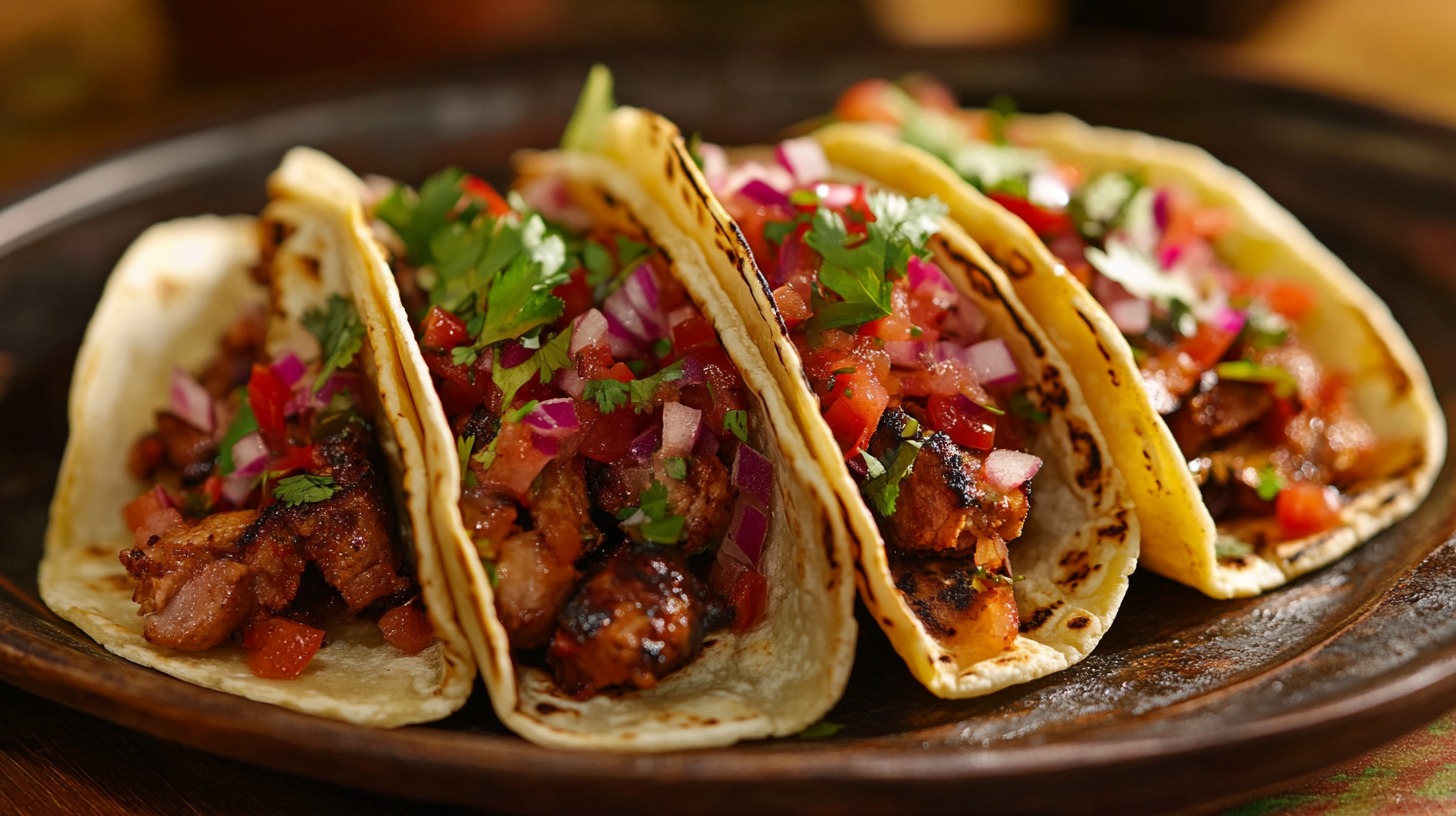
(777, 678)
(1350, 329)
(175, 292)
(1081, 540)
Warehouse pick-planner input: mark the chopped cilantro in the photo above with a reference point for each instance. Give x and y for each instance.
(1270, 483)
(339, 333)
(662, 347)
(803, 197)
(416, 217)
(1279, 378)
(491, 573)
(872, 465)
(1098, 208)
(1263, 329)
(862, 271)
(520, 297)
(657, 523)
(518, 414)
(304, 488)
(486, 456)
(884, 489)
(1228, 547)
(593, 107)
(737, 422)
(548, 359)
(464, 355)
(598, 263)
(695, 143)
(676, 467)
(823, 729)
(1022, 406)
(1002, 111)
(845, 370)
(463, 447)
(243, 424)
(630, 253)
(776, 231)
(609, 395)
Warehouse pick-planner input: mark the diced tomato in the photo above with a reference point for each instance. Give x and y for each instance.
(443, 330)
(791, 305)
(966, 423)
(296, 457)
(268, 396)
(1304, 508)
(407, 628)
(1042, 221)
(748, 596)
(517, 460)
(576, 294)
(137, 510)
(858, 402)
(869, 100)
(281, 648)
(929, 93)
(1208, 345)
(619, 372)
(607, 437)
(1275, 422)
(691, 333)
(480, 189)
(1291, 299)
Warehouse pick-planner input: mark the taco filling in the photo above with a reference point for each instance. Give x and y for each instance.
(600, 427)
(927, 412)
(1269, 432)
(270, 512)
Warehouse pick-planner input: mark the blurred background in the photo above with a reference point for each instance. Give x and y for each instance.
(80, 78)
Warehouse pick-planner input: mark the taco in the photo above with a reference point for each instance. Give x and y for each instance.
(1267, 411)
(931, 399)
(639, 544)
(242, 501)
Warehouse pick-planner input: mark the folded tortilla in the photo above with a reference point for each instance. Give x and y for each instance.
(1080, 543)
(778, 677)
(175, 292)
(1349, 329)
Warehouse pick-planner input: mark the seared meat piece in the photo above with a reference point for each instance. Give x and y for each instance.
(489, 514)
(175, 445)
(945, 503)
(703, 497)
(536, 569)
(162, 565)
(348, 535)
(210, 604)
(970, 609)
(638, 619)
(1225, 408)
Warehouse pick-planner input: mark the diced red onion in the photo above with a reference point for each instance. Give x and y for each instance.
(803, 158)
(753, 476)
(570, 382)
(730, 563)
(544, 445)
(191, 402)
(707, 445)
(965, 321)
(774, 176)
(554, 418)
(339, 382)
(925, 273)
(837, 196)
(1230, 320)
(908, 353)
(549, 196)
(289, 369)
(748, 530)
(680, 314)
(715, 163)
(947, 351)
(588, 329)
(1131, 316)
(1009, 469)
(1169, 256)
(249, 456)
(992, 362)
(236, 488)
(759, 192)
(513, 354)
(635, 307)
(645, 443)
(619, 340)
(692, 371)
(680, 428)
(1161, 205)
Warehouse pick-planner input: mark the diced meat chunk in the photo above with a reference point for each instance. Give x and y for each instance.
(1218, 412)
(205, 609)
(703, 497)
(638, 619)
(160, 566)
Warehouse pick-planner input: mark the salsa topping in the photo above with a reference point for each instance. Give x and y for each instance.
(1268, 431)
(907, 385)
(595, 415)
(268, 512)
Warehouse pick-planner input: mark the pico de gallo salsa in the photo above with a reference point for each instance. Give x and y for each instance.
(602, 431)
(270, 510)
(1268, 429)
(928, 413)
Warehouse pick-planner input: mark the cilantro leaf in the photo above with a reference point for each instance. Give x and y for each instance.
(1002, 111)
(658, 524)
(1023, 407)
(519, 298)
(1282, 381)
(243, 424)
(884, 490)
(416, 217)
(1270, 483)
(609, 395)
(737, 422)
(545, 362)
(598, 263)
(463, 446)
(339, 333)
(1228, 547)
(305, 488)
(676, 467)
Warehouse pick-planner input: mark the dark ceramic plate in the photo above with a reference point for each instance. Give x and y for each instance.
(1187, 700)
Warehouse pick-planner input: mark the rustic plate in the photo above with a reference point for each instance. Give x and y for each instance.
(1187, 700)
